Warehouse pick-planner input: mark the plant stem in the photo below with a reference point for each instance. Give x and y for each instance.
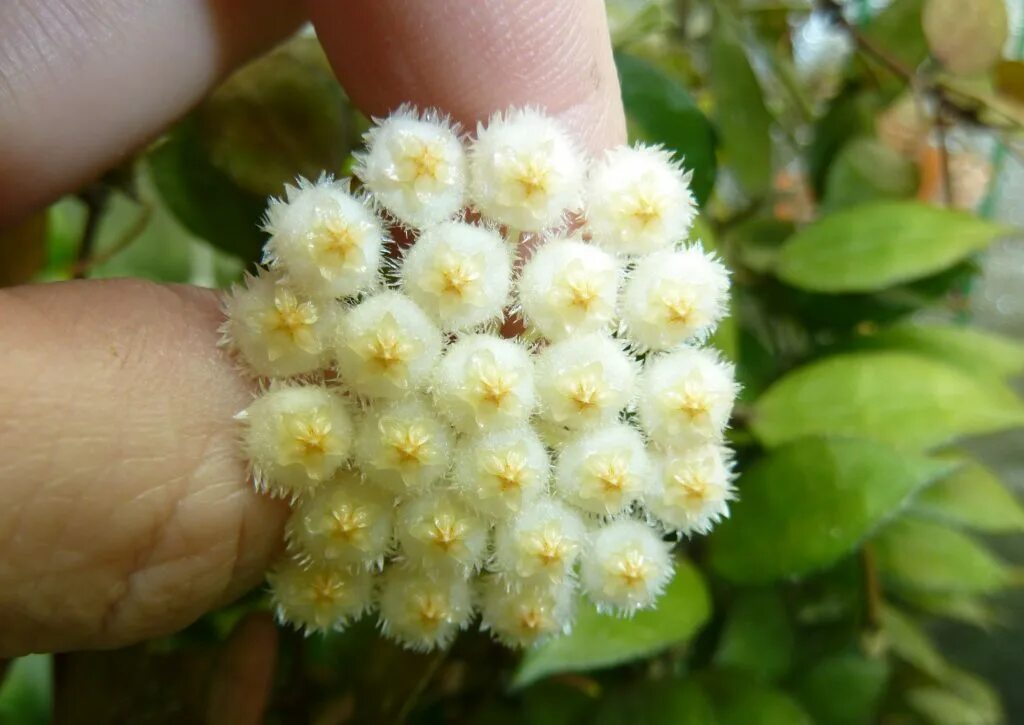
(95, 197)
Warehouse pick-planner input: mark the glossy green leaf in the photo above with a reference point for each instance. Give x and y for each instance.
(968, 608)
(814, 500)
(758, 636)
(601, 641)
(905, 399)
(741, 118)
(921, 555)
(963, 699)
(843, 689)
(911, 643)
(974, 350)
(660, 110)
(877, 245)
(851, 115)
(26, 690)
(972, 496)
(739, 701)
(867, 170)
(897, 31)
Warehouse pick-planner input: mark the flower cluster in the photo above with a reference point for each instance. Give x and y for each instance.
(439, 469)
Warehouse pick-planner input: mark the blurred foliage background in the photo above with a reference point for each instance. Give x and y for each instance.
(859, 166)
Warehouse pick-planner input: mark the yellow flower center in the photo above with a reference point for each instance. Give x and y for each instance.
(613, 474)
(586, 393)
(324, 590)
(532, 619)
(510, 470)
(646, 210)
(534, 177)
(456, 276)
(633, 569)
(347, 524)
(692, 405)
(446, 531)
(410, 445)
(551, 548)
(427, 161)
(431, 610)
(337, 240)
(679, 309)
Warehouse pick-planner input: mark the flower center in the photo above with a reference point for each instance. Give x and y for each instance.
(633, 569)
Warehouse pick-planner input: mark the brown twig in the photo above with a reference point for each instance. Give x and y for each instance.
(95, 197)
(873, 601)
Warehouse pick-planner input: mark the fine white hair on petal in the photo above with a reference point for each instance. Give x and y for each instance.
(404, 445)
(686, 397)
(343, 523)
(500, 472)
(485, 382)
(625, 567)
(437, 529)
(459, 273)
(639, 200)
(423, 610)
(297, 436)
(604, 471)
(525, 170)
(524, 614)
(569, 287)
(584, 381)
(317, 597)
(325, 241)
(542, 542)
(692, 489)
(672, 297)
(414, 166)
(277, 331)
(386, 346)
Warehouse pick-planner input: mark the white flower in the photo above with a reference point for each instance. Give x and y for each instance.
(459, 274)
(525, 615)
(438, 530)
(404, 445)
(344, 523)
(692, 490)
(279, 332)
(605, 470)
(542, 542)
(325, 241)
(485, 382)
(319, 598)
(584, 381)
(672, 297)
(625, 567)
(639, 200)
(569, 287)
(415, 167)
(423, 610)
(386, 346)
(296, 437)
(525, 170)
(500, 472)
(686, 397)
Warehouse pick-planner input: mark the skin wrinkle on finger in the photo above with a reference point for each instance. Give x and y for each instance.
(148, 519)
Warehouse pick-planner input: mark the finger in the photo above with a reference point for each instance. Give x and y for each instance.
(126, 508)
(472, 57)
(84, 82)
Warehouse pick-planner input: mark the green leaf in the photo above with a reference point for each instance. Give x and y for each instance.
(974, 350)
(911, 644)
(967, 608)
(925, 556)
(897, 31)
(852, 114)
(756, 242)
(668, 702)
(867, 170)
(972, 496)
(843, 689)
(661, 111)
(814, 500)
(26, 691)
(894, 397)
(963, 700)
(877, 245)
(742, 120)
(758, 636)
(739, 701)
(599, 640)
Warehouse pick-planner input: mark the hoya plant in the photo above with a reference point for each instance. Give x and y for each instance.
(797, 221)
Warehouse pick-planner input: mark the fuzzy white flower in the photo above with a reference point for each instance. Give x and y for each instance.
(319, 598)
(386, 346)
(500, 472)
(277, 331)
(584, 381)
(459, 274)
(525, 170)
(542, 542)
(296, 437)
(625, 567)
(604, 471)
(672, 297)
(692, 490)
(485, 382)
(415, 167)
(344, 522)
(525, 615)
(404, 445)
(569, 287)
(328, 241)
(639, 200)
(423, 610)
(686, 397)
(438, 530)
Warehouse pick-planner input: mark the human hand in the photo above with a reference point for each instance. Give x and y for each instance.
(126, 510)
